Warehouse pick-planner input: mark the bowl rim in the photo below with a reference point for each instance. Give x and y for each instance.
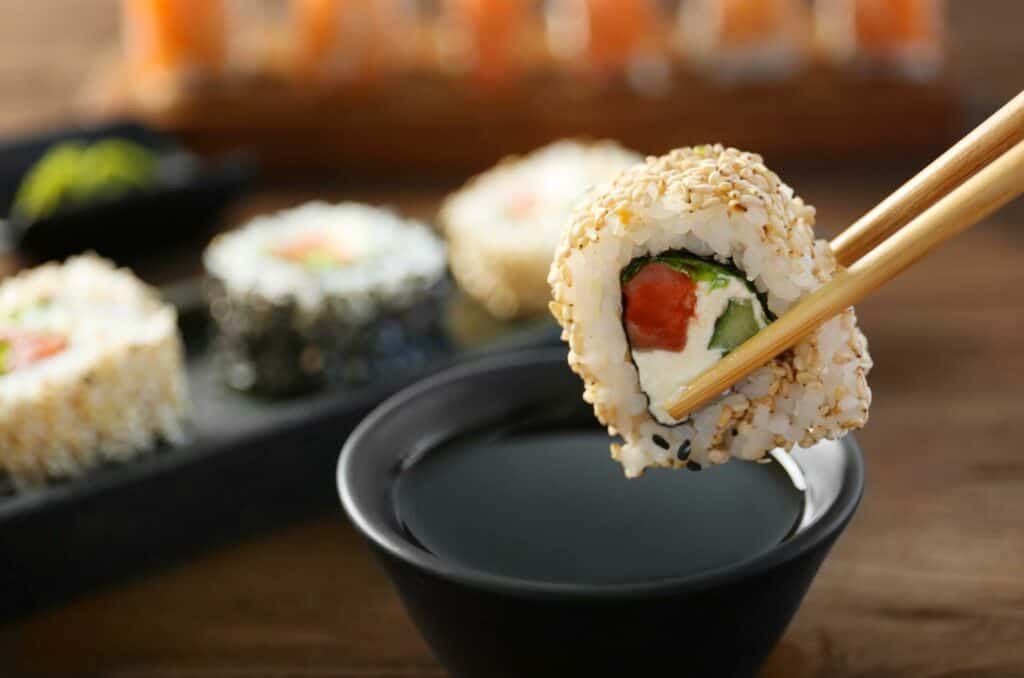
(827, 526)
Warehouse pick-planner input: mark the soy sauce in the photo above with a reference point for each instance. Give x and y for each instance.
(553, 506)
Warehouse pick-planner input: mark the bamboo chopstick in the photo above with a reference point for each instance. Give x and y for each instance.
(985, 143)
(982, 194)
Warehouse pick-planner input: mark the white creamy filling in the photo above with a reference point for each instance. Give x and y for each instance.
(664, 373)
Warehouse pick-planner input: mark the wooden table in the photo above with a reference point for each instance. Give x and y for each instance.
(928, 581)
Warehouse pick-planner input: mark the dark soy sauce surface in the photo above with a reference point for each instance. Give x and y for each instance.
(553, 506)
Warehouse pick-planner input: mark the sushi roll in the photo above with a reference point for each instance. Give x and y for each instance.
(91, 370)
(899, 36)
(355, 41)
(503, 226)
(493, 41)
(166, 37)
(739, 39)
(664, 272)
(320, 293)
(610, 41)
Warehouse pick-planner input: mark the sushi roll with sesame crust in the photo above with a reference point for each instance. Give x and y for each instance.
(91, 370)
(503, 225)
(669, 268)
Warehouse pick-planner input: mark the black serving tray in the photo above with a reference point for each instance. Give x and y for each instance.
(184, 203)
(251, 464)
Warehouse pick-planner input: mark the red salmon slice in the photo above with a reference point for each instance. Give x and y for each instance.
(498, 32)
(885, 23)
(659, 303)
(621, 30)
(312, 246)
(166, 35)
(26, 348)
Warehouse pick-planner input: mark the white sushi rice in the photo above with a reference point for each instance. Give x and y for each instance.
(393, 259)
(725, 204)
(116, 390)
(503, 226)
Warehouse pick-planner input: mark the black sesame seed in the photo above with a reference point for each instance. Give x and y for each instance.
(693, 466)
(660, 442)
(684, 451)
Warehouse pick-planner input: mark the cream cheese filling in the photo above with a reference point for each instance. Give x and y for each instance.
(664, 373)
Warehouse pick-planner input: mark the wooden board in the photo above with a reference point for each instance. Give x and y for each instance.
(423, 125)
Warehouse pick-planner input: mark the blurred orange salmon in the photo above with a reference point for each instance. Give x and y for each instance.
(498, 32)
(883, 24)
(742, 22)
(170, 35)
(21, 348)
(621, 30)
(313, 249)
(357, 39)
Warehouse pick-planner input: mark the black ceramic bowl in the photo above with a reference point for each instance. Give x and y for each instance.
(717, 623)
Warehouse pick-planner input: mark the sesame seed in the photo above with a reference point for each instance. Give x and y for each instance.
(684, 451)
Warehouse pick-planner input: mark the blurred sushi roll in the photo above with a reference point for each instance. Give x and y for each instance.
(745, 39)
(493, 41)
(675, 264)
(503, 226)
(613, 37)
(91, 370)
(322, 294)
(901, 36)
(257, 35)
(351, 40)
(174, 37)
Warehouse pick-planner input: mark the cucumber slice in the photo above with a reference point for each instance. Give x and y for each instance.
(737, 324)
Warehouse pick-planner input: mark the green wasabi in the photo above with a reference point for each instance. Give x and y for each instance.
(72, 174)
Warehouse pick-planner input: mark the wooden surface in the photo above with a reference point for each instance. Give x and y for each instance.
(928, 581)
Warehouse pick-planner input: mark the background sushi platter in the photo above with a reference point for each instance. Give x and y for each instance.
(250, 464)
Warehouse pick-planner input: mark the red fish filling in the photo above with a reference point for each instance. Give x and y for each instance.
(659, 303)
(520, 205)
(20, 349)
(314, 250)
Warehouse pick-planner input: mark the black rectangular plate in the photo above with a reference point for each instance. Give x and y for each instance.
(251, 465)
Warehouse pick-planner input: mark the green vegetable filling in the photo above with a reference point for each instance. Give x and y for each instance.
(5, 348)
(739, 321)
(716, 275)
(321, 260)
(737, 324)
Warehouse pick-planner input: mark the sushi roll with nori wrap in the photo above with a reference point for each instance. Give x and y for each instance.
(91, 370)
(322, 294)
(503, 226)
(669, 268)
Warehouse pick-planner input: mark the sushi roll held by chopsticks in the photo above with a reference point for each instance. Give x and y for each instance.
(503, 226)
(91, 370)
(678, 262)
